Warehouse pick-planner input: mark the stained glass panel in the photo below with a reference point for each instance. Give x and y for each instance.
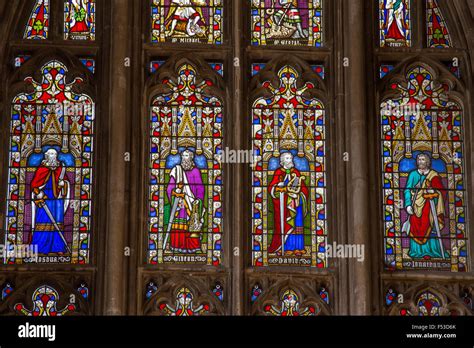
(287, 22)
(79, 20)
(187, 21)
(38, 22)
(20, 60)
(423, 177)
(385, 69)
(49, 197)
(184, 306)
(437, 30)
(45, 300)
(89, 63)
(290, 306)
(289, 180)
(317, 68)
(185, 197)
(217, 67)
(395, 23)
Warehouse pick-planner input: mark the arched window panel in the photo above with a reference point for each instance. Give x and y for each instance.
(185, 187)
(45, 304)
(424, 193)
(437, 30)
(287, 22)
(79, 20)
(187, 21)
(49, 194)
(289, 225)
(395, 25)
(37, 26)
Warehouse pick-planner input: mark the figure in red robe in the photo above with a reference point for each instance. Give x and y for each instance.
(289, 196)
(50, 200)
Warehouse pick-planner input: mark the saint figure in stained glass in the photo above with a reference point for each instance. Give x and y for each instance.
(79, 19)
(395, 23)
(289, 181)
(290, 205)
(185, 216)
(186, 194)
(49, 196)
(50, 200)
(424, 200)
(423, 176)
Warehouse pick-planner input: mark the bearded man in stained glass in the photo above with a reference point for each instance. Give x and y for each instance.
(424, 202)
(50, 200)
(289, 196)
(186, 194)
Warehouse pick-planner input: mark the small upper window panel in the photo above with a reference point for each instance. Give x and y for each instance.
(187, 21)
(38, 21)
(79, 20)
(395, 23)
(437, 30)
(287, 22)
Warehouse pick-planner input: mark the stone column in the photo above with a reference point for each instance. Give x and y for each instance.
(357, 173)
(117, 176)
(237, 231)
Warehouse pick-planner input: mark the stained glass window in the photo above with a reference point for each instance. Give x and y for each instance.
(79, 19)
(184, 306)
(317, 68)
(385, 69)
(287, 22)
(395, 23)
(437, 30)
(423, 176)
(290, 306)
(429, 305)
(20, 60)
(289, 183)
(89, 63)
(187, 21)
(50, 171)
(185, 197)
(45, 300)
(38, 22)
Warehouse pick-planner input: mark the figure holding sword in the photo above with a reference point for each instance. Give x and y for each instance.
(289, 194)
(50, 201)
(424, 202)
(186, 194)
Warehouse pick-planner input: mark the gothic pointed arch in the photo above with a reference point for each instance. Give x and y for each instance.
(186, 126)
(422, 143)
(289, 124)
(51, 99)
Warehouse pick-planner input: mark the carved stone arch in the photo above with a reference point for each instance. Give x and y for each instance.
(450, 304)
(306, 75)
(455, 21)
(441, 75)
(169, 285)
(307, 290)
(32, 68)
(169, 70)
(66, 285)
